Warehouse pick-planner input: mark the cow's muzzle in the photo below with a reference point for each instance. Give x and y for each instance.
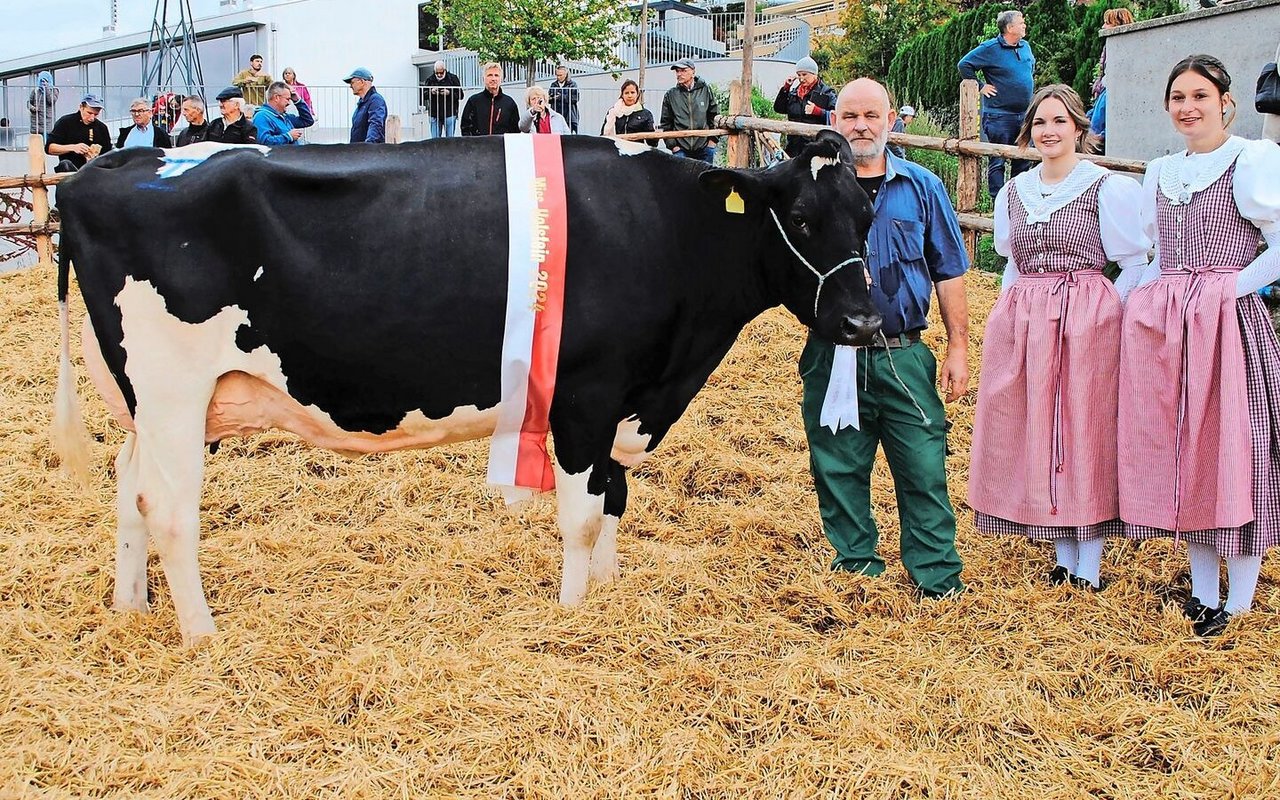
(858, 330)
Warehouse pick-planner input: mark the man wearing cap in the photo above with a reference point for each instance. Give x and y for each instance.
(490, 112)
(563, 93)
(252, 81)
(444, 93)
(689, 106)
(804, 98)
(79, 136)
(900, 126)
(142, 133)
(886, 395)
(275, 127)
(369, 122)
(233, 127)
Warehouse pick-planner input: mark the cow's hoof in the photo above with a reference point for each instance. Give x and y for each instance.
(570, 598)
(195, 641)
(605, 573)
(138, 606)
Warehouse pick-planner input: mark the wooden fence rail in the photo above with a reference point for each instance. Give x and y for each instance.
(965, 147)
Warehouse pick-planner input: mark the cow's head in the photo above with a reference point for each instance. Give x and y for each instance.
(816, 219)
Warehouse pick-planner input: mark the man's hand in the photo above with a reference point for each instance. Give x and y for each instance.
(295, 134)
(954, 377)
(80, 148)
(989, 90)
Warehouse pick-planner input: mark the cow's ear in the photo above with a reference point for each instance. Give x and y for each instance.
(748, 184)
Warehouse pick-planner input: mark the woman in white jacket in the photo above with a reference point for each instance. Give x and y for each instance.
(539, 116)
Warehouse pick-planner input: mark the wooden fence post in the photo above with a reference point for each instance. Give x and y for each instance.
(968, 176)
(39, 199)
(739, 147)
(740, 141)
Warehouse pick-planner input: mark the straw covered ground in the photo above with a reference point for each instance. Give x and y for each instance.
(387, 629)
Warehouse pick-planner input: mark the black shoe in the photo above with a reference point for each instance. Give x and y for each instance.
(1195, 611)
(1083, 583)
(1060, 575)
(1214, 623)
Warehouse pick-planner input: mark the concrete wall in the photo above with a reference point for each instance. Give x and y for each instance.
(1244, 35)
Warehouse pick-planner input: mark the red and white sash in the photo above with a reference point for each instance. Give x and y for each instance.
(537, 230)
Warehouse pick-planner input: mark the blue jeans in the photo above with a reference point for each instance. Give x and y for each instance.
(448, 123)
(1002, 128)
(707, 154)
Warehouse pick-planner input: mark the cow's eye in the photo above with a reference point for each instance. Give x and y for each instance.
(799, 221)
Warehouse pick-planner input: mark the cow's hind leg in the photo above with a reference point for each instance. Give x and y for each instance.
(581, 516)
(170, 464)
(604, 556)
(131, 534)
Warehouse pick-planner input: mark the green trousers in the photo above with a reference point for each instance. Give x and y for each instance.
(916, 451)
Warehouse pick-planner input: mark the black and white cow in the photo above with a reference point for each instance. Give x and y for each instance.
(355, 295)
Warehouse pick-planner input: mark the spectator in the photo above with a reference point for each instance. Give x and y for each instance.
(490, 112)
(540, 117)
(564, 96)
(79, 136)
(197, 129)
(1112, 18)
(689, 106)
(369, 121)
(1007, 68)
(41, 104)
(905, 117)
(253, 82)
(233, 127)
(804, 98)
(143, 132)
(275, 127)
(444, 95)
(297, 87)
(629, 115)
(914, 249)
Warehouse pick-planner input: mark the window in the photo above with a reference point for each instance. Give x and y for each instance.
(217, 63)
(122, 75)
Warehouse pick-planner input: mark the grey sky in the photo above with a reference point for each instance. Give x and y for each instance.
(37, 26)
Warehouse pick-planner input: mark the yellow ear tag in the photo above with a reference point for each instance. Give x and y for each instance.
(733, 203)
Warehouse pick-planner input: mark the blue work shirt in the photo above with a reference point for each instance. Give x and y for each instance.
(1010, 68)
(914, 243)
(369, 122)
(274, 127)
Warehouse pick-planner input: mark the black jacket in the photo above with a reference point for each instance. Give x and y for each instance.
(636, 122)
(158, 137)
(490, 115)
(193, 134)
(444, 104)
(242, 131)
(563, 97)
(789, 103)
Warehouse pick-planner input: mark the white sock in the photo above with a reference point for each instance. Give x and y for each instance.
(1090, 564)
(1068, 553)
(1205, 586)
(1242, 579)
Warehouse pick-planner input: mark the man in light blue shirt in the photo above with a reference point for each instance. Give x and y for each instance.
(143, 132)
(1008, 71)
(914, 249)
(275, 127)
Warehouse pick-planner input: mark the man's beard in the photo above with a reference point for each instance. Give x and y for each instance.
(865, 152)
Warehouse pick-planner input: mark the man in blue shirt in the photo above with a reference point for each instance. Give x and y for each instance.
(275, 127)
(369, 122)
(913, 249)
(1007, 67)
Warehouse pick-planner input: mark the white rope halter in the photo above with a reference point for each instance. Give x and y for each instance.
(822, 277)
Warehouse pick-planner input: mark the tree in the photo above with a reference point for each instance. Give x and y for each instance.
(530, 31)
(874, 32)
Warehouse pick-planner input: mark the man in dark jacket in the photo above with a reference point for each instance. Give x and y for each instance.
(689, 106)
(444, 93)
(804, 98)
(79, 136)
(564, 96)
(233, 127)
(197, 129)
(143, 132)
(369, 122)
(490, 112)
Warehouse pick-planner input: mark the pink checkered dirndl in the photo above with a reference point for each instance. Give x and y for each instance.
(1199, 432)
(1044, 438)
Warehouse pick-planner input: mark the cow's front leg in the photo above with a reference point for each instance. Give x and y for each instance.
(581, 516)
(131, 534)
(604, 556)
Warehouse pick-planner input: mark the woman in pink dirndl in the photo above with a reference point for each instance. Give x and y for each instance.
(1044, 439)
(1200, 365)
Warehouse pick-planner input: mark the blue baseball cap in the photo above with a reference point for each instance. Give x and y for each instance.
(92, 101)
(359, 72)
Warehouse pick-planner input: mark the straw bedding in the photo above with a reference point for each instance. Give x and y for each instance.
(387, 629)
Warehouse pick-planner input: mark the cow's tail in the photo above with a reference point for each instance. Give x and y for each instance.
(70, 438)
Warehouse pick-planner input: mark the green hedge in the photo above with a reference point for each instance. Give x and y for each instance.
(1064, 37)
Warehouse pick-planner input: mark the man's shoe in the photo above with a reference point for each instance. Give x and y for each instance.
(1214, 623)
(1060, 575)
(1083, 583)
(1195, 611)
